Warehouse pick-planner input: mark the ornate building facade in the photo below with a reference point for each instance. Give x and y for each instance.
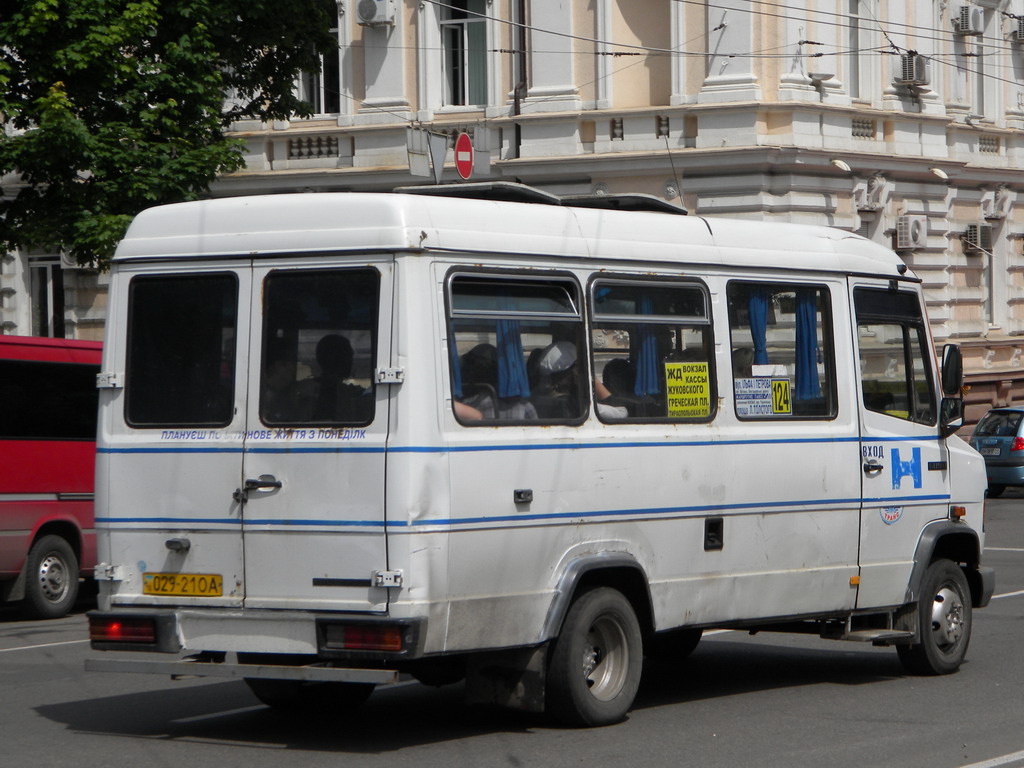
(901, 120)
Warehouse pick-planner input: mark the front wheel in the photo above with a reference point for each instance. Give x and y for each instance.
(944, 622)
(51, 579)
(995, 491)
(596, 661)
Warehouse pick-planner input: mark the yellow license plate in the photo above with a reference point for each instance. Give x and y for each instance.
(183, 584)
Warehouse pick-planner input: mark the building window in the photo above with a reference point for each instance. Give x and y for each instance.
(323, 89)
(854, 45)
(464, 49)
(46, 279)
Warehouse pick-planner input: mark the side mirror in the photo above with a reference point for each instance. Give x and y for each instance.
(952, 370)
(951, 416)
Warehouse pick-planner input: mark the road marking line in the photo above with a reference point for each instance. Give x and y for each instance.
(996, 761)
(1004, 549)
(1018, 593)
(42, 645)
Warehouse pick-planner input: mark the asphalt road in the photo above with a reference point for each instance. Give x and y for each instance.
(766, 700)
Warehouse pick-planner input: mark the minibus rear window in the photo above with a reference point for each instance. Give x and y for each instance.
(181, 350)
(319, 347)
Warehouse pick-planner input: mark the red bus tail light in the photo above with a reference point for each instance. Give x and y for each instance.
(364, 637)
(121, 630)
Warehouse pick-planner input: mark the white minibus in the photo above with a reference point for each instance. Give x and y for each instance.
(491, 435)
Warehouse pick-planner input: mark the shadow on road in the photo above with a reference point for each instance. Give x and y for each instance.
(226, 712)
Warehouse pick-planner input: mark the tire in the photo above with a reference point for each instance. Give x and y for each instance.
(304, 698)
(596, 661)
(674, 645)
(944, 622)
(995, 491)
(51, 579)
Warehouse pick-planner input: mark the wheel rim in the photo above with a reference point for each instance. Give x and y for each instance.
(947, 618)
(605, 658)
(53, 579)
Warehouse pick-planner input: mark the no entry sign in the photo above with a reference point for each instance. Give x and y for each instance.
(464, 155)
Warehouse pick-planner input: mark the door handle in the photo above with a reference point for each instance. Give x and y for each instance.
(262, 483)
(873, 467)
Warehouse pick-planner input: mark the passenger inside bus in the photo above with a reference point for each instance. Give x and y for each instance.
(555, 394)
(337, 399)
(479, 371)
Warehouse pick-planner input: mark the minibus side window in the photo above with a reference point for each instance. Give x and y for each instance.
(48, 401)
(651, 345)
(319, 347)
(514, 348)
(896, 377)
(181, 350)
(782, 351)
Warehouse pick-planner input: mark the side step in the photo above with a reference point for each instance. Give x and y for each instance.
(877, 636)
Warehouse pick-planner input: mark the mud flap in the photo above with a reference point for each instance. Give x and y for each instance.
(513, 679)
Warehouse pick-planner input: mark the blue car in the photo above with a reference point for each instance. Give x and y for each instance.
(1000, 439)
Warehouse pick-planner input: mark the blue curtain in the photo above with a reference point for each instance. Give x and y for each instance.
(645, 354)
(807, 385)
(453, 352)
(757, 306)
(512, 378)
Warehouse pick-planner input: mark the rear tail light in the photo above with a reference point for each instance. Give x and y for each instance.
(1018, 444)
(122, 630)
(364, 637)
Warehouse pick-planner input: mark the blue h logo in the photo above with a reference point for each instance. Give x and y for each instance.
(901, 469)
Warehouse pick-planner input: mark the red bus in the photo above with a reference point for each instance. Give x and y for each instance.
(47, 457)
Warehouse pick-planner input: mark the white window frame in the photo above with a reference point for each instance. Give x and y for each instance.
(455, 38)
(313, 87)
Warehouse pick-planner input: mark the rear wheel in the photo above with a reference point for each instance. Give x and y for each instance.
(944, 622)
(596, 661)
(995, 491)
(51, 579)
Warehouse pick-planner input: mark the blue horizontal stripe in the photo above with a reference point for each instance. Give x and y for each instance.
(559, 446)
(526, 517)
(907, 499)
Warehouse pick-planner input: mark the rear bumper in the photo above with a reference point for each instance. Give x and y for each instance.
(198, 668)
(1004, 475)
(295, 633)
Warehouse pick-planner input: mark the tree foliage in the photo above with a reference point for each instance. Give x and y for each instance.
(110, 106)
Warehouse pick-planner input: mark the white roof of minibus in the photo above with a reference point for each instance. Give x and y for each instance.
(349, 221)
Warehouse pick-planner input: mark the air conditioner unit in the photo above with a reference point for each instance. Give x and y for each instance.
(911, 232)
(1017, 34)
(977, 238)
(372, 13)
(970, 21)
(912, 69)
